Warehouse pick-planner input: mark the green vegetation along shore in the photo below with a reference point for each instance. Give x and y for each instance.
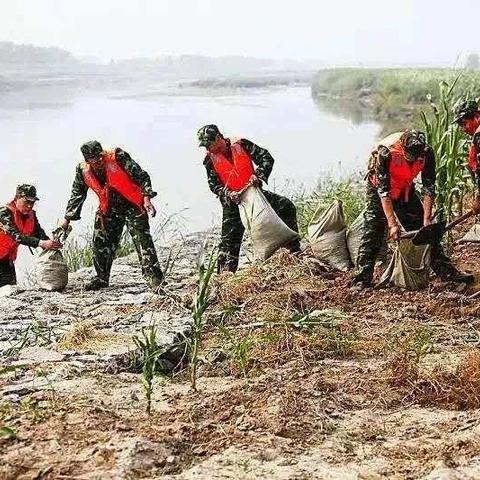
(390, 96)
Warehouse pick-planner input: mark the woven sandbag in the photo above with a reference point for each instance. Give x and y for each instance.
(267, 230)
(327, 236)
(409, 267)
(51, 271)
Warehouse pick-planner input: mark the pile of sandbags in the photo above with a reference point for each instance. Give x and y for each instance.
(267, 230)
(335, 244)
(327, 236)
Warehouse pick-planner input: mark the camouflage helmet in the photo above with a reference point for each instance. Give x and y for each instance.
(414, 142)
(27, 191)
(207, 134)
(91, 149)
(464, 110)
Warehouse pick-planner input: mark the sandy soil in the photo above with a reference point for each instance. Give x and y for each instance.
(299, 379)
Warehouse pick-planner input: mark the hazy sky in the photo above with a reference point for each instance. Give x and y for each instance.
(370, 31)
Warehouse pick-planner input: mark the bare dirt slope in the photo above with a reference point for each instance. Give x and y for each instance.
(299, 379)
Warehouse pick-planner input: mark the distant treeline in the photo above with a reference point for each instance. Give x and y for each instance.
(11, 53)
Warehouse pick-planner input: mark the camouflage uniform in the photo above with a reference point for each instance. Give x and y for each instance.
(409, 213)
(232, 227)
(466, 110)
(7, 224)
(108, 228)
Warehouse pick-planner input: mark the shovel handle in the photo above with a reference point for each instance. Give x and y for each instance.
(460, 219)
(449, 226)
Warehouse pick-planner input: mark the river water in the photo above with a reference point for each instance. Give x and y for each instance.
(41, 136)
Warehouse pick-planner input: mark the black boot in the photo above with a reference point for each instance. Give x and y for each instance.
(96, 284)
(360, 282)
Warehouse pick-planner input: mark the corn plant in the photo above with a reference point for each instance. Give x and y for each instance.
(200, 303)
(449, 145)
(150, 350)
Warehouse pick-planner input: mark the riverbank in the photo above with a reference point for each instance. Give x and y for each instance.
(393, 97)
(298, 377)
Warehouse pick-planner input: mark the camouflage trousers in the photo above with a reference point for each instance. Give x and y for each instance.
(233, 229)
(107, 234)
(7, 273)
(410, 215)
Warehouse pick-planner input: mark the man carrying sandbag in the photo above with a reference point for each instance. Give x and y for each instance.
(231, 166)
(393, 166)
(19, 226)
(124, 191)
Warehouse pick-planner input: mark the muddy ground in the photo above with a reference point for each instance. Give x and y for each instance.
(299, 378)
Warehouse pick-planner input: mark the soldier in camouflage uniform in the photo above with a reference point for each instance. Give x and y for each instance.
(467, 117)
(210, 136)
(110, 222)
(19, 226)
(382, 210)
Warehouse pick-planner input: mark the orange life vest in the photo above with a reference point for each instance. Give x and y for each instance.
(472, 154)
(234, 174)
(116, 178)
(402, 172)
(25, 224)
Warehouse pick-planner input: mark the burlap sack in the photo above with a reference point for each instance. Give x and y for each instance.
(267, 230)
(327, 236)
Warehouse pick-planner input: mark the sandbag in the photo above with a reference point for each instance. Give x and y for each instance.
(51, 271)
(409, 267)
(267, 230)
(472, 236)
(327, 236)
(354, 239)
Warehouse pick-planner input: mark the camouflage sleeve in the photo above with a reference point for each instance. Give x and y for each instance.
(7, 224)
(77, 196)
(213, 182)
(428, 174)
(261, 158)
(138, 175)
(39, 231)
(476, 173)
(383, 171)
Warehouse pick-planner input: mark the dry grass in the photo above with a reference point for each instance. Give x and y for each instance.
(440, 385)
(83, 336)
(78, 334)
(269, 291)
(459, 389)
